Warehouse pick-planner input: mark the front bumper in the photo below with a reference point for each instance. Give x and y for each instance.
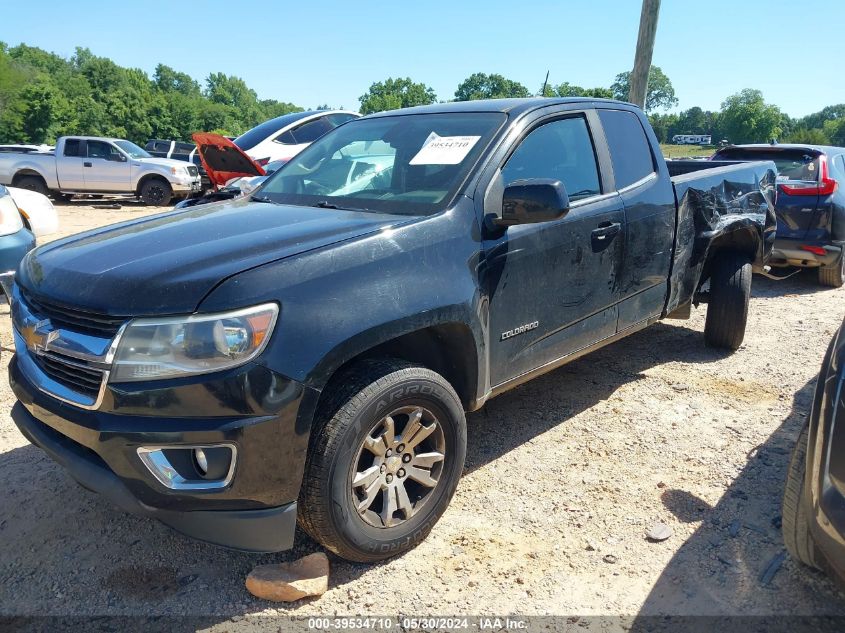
(264, 530)
(187, 187)
(790, 253)
(257, 411)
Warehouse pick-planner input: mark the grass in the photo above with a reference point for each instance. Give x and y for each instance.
(686, 151)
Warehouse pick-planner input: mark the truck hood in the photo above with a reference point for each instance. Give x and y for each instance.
(167, 264)
(223, 160)
(162, 162)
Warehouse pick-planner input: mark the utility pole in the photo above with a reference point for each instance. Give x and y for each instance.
(645, 47)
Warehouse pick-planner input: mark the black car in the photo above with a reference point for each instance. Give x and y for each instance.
(307, 353)
(814, 499)
(810, 205)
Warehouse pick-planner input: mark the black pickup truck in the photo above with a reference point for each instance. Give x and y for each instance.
(308, 353)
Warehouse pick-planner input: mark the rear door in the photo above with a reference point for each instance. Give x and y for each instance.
(106, 168)
(649, 202)
(69, 165)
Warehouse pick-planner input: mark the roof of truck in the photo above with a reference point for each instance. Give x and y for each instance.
(508, 106)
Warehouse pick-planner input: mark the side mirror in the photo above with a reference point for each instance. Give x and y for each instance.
(116, 158)
(533, 200)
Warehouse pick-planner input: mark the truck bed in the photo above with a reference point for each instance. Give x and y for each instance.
(717, 201)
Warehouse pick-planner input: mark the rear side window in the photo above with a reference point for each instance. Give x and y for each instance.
(72, 147)
(311, 131)
(560, 150)
(630, 151)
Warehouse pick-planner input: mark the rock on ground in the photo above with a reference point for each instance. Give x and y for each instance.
(288, 582)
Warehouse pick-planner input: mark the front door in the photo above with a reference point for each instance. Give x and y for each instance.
(552, 286)
(106, 168)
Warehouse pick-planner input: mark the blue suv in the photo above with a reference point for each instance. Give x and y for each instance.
(810, 205)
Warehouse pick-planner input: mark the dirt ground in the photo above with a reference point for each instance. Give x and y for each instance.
(564, 476)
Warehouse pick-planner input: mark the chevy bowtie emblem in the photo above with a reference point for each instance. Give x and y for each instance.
(37, 340)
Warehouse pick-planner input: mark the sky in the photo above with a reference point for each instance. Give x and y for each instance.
(330, 52)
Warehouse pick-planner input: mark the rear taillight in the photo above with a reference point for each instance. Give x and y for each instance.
(816, 250)
(825, 186)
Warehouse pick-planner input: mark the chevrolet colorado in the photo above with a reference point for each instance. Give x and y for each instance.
(308, 353)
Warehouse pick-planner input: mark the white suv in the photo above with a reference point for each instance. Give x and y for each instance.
(285, 136)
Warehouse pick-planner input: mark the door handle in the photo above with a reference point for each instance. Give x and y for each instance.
(606, 231)
(86, 164)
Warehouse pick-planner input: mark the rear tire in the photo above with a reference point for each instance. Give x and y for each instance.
(156, 192)
(795, 522)
(356, 460)
(727, 310)
(833, 276)
(33, 183)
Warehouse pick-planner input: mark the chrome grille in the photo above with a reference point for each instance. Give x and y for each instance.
(76, 376)
(63, 316)
(65, 352)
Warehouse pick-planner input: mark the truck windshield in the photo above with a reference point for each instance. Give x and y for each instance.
(407, 164)
(133, 150)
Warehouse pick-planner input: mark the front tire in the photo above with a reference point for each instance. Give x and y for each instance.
(385, 456)
(33, 183)
(795, 522)
(833, 276)
(727, 310)
(156, 192)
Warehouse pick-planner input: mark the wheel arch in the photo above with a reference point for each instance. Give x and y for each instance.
(151, 176)
(25, 172)
(743, 239)
(448, 348)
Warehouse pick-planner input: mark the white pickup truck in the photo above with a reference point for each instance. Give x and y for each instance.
(96, 165)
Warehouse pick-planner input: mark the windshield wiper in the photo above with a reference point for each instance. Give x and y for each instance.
(262, 199)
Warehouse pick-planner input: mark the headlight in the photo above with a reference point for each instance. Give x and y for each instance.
(10, 217)
(151, 349)
(180, 171)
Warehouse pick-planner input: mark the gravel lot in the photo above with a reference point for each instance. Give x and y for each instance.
(563, 475)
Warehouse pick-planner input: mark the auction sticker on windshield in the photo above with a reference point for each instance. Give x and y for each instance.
(444, 150)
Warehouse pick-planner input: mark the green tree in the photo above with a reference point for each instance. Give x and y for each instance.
(659, 95)
(392, 94)
(834, 130)
(567, 89)
(747, 118)
(818, 119)
(813, 136)
(484, 86)
(664, 126)
(168, 80)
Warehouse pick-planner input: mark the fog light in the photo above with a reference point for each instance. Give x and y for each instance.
(202, 460)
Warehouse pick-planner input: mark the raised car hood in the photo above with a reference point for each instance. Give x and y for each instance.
(223, 160)
(167, 264)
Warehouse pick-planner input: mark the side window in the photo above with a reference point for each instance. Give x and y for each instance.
(338, 119)
(311, 131)
(630, 151)
(561, 150)
(286, 138)
(72, 147)
(99, 149)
